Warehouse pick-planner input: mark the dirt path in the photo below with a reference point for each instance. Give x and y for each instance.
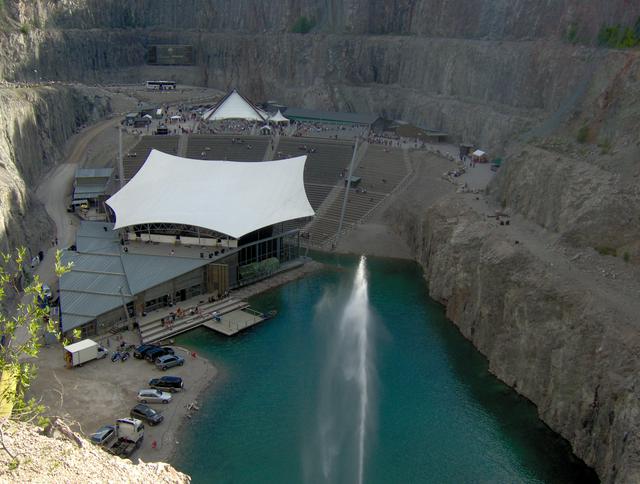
(603, 277)
(54, 191)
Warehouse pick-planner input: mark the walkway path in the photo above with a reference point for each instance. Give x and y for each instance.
(602, 277)
(54, 190)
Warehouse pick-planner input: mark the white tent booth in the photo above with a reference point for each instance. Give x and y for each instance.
(234, 106)
(233, 210)
(278, 118)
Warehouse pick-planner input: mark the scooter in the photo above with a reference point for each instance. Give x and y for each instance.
(115, 357)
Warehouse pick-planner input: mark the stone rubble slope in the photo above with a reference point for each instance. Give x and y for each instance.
(60, 459)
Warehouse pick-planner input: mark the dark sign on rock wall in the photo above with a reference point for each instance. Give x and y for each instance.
(170, 55)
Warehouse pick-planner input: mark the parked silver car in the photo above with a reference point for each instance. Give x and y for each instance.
(104, 435)
(151, 395)
(169, 361)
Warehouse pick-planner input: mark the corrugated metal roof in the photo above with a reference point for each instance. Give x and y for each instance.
(146, 271)
(78, 308)
(89, 190)
(93, 262)
(312, 114)
(92, 282)
(101, 230)
(92, 286)
(94, 172)
(100, 271)
(97, 246)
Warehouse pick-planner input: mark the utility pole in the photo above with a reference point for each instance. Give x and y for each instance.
(120, 160)
(346, 191)
(124, 306)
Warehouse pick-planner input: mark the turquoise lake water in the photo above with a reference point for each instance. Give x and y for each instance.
(434, 413)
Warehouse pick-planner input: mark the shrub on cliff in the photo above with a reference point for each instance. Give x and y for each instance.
(22, 331)
(303, 25)
(572, 33)
(583, 134)
(619, 37)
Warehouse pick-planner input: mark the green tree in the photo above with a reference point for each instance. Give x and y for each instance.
(303, 25)
(23, 330)
(583, 134)
(572, 33)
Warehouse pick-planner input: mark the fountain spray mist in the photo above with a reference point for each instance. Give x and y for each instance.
(356, 314)
(345, 393)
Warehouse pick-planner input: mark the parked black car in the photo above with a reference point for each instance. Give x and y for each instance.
(147, 414)
(155, 353)
(167, 383)
(142, 349)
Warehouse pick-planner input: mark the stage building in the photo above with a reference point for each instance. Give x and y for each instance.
(183, 228)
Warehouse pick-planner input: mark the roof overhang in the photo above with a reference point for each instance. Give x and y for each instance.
(229, 197)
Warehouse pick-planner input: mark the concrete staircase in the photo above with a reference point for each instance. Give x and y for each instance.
(153, 330)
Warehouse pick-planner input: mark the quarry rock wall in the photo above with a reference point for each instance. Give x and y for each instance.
(566, 350)
(36, 123)
(578, 174)
(485, 71)
(476, 19)
(518, 77)
(480, 91)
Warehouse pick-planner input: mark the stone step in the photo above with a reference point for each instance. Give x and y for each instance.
(159, 332)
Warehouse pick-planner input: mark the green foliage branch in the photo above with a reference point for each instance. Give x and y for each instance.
(23, 330)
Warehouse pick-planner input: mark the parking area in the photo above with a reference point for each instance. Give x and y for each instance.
(101, 391)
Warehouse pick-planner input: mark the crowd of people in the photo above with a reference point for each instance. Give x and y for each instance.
(325, 130)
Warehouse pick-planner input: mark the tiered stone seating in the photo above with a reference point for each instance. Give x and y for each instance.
(135, 158)
(152, 330)
(381, 169)
(222, 147)
(325, 165)
(326, 224)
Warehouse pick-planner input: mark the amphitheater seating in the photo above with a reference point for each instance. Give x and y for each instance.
(222, 147)
(324, 166)
(136, 157)
(381, 169)
(325, 226)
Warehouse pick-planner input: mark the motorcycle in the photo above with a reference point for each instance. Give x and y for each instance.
(115, 357)
(125, 356)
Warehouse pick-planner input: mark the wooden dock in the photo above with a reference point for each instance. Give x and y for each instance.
(235, 321)
(234, 315)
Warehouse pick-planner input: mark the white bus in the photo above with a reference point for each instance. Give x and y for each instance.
(161, 85)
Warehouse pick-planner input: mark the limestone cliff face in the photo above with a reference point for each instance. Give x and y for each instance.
(478, 19)
(567, 350)
(35, 125)
(485, 71)
(578, 175)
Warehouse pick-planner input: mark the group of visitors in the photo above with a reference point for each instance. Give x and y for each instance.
(325, 130)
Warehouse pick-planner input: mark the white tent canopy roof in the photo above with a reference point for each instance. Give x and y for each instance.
(230, 197)
(478, 153)
(233, 106)
(278, 118)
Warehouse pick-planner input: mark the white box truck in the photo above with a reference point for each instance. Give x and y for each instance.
(86, 350)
